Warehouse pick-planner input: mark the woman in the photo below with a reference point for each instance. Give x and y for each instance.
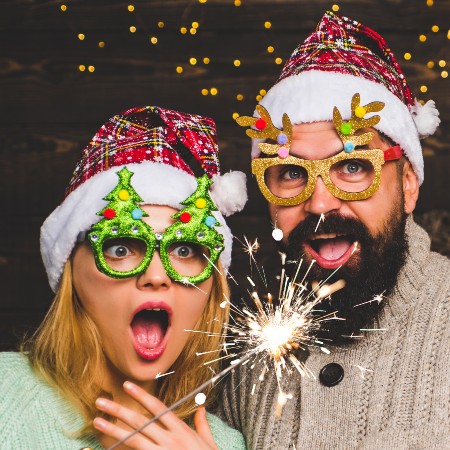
(137, 254)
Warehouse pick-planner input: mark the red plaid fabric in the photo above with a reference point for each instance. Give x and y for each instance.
(149, 134)
(342, 45)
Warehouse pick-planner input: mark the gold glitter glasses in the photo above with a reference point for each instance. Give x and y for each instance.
(348, 176)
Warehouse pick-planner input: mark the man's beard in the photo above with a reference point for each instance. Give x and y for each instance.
(373, 272)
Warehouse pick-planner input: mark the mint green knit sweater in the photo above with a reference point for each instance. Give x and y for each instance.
(34, 417)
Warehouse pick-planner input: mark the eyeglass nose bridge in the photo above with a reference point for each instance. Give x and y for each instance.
(320, 168)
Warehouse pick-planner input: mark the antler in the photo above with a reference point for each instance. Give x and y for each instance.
(346, 130)
(266, 129)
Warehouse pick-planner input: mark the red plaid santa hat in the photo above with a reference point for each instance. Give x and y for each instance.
(341, 58)
(166, 150)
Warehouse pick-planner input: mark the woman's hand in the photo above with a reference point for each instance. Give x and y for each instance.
(169, 432)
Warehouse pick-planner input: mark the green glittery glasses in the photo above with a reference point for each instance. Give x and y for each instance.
(124, 245)
(350, 175)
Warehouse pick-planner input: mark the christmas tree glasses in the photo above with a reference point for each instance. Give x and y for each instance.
(124, 245)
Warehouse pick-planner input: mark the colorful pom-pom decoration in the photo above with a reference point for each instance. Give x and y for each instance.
(349, 146)
(200, 203)
(260, 124)
(124, 194)
(283, 152)
(210, 221)
(282, 139)
(360, 112)
(346, 129)
(185, 217)
(136, 214)
(109, 214)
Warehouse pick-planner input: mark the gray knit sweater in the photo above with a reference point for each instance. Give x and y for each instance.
(400, 401)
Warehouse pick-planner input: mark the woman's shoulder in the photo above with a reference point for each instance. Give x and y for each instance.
(226, 438)
(14, 369)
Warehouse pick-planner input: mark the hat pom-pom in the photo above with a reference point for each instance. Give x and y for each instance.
(229, 192)
(426, 118)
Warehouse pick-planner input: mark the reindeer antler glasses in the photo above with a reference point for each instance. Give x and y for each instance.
(287, 180)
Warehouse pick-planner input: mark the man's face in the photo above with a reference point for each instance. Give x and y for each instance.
(363, 239)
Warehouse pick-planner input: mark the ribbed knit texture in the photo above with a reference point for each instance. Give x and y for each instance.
(402, 400)
(34, 417)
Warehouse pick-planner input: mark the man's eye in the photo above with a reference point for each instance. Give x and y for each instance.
(293, 173)
(352, 167)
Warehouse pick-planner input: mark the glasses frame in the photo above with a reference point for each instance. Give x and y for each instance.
(153, 241)
(321, 168)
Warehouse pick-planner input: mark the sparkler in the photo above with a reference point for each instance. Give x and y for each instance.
(271, 333)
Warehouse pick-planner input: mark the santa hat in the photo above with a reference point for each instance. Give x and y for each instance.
(166, 150)
(342, 58)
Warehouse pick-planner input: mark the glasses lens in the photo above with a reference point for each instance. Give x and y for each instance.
(286, 180)
(352, 175)
(188, 258)
(124, 254)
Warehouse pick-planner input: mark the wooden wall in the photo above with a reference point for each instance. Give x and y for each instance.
(50, 109)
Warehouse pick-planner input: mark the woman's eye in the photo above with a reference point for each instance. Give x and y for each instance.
(183, 251)
(117, 251)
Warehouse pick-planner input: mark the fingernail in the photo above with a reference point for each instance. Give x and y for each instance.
(101, 402)
(99, 423)
(128, 385)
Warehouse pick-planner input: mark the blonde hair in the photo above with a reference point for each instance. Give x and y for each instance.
(66, 352)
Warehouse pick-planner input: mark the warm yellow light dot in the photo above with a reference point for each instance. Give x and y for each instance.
(259, 98)
(81, 68)
(130, 8)
(335, 8)
(161, 24)
(81, 36)
(434, 28)
(179, 69)
(154, 40)
(205, 92)
(239, 97)
(213, 91)
(442, 63)
(267, 24)
(101, 44)
(270, 49)
(237, 3)
(422, 38)
(192, 31)
(430, 64)
(235, 115)
(423, 88)
(278, 60)
(236, 62)
(407, 56)
(91, 68)
(448, 34)
(430, 2)
(183, 30)
(206, 60)
(193, 61)
(194, 24)
(132, 29)
(444, 74)
(63, 8)
(263, 92)
(202, 1)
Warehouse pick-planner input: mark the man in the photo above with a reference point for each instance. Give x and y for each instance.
(341, 186)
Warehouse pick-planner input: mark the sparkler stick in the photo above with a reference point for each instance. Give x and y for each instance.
(186, 397)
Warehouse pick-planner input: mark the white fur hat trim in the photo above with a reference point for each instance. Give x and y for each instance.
(311, 96)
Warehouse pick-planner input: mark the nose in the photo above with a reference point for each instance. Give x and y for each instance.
(155, 276)
(321, 200)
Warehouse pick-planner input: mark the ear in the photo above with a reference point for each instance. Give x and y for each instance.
(410, 187)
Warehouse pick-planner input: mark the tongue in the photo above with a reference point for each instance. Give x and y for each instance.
(332, 249)
(147, 331)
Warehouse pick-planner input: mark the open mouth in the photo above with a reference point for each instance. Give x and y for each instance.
(149, 327)
(331, 250)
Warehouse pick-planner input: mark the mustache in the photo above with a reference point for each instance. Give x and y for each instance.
(333, 223)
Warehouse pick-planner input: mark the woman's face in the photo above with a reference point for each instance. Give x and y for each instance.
(142, 320)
